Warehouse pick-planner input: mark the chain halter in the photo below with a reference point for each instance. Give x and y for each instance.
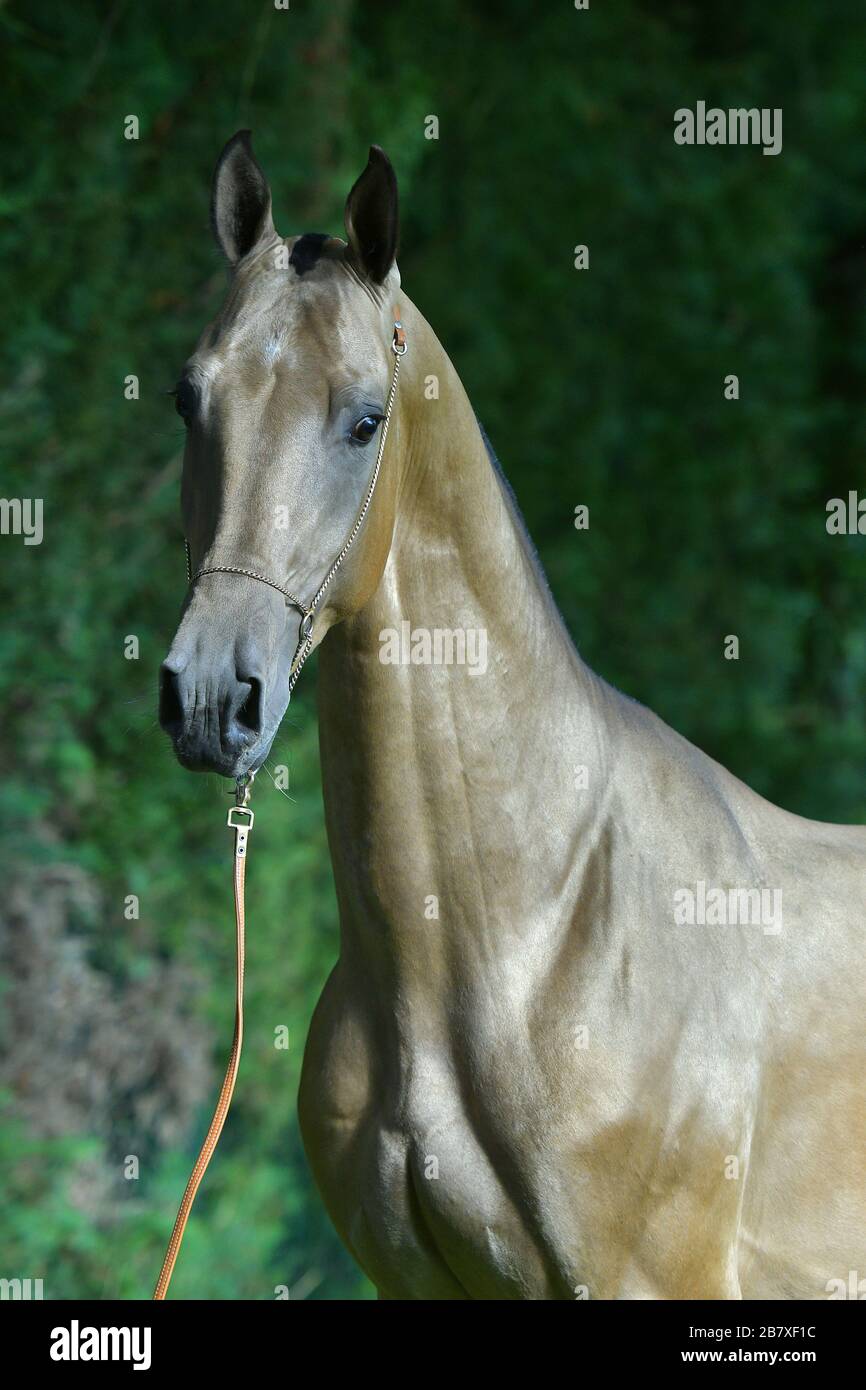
(308, 611)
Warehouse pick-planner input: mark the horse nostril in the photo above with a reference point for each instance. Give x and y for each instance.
(170, 707)
(250, 713)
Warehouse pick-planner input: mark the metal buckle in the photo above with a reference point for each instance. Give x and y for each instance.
(241, 829)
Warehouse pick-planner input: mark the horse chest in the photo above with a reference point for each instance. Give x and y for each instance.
(423, 1204)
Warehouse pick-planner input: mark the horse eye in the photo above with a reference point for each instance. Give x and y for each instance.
(184, 400)
(364, 429)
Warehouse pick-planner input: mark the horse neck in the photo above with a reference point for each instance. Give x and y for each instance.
(430, 765)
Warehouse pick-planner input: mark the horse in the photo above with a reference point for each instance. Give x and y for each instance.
(596, 1026)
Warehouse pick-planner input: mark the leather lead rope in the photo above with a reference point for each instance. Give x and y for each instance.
(240, 819)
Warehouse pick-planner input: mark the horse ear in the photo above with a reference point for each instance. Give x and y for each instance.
(240, 207)
(371, 217)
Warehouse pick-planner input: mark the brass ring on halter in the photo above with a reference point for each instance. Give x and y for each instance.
(243, 787)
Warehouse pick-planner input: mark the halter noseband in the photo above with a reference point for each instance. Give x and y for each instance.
(308, 611)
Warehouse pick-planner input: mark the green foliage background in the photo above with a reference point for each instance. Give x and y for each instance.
(601, 387)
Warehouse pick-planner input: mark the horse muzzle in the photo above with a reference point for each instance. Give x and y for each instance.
(214, 717)
(223, 688)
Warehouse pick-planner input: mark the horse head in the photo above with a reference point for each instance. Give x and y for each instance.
(284, 401)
